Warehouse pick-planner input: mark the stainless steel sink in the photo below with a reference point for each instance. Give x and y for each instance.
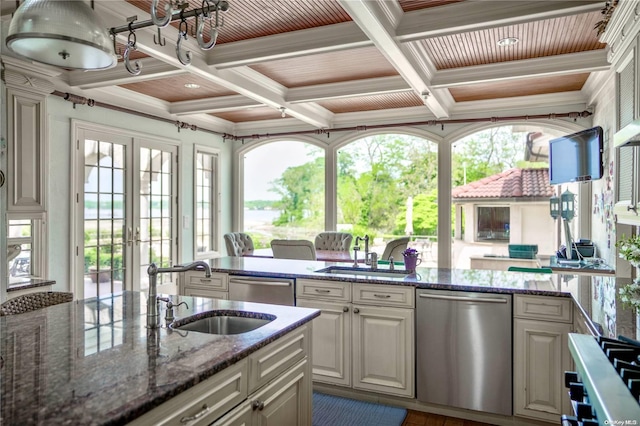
(345, 270)
(223, 322)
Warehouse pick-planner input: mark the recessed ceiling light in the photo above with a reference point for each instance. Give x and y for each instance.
(192, 86)
(509, 41)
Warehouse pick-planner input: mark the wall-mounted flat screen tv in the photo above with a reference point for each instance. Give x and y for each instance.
(576, 157)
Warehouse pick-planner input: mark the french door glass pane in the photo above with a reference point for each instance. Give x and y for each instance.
(104, 218)
(156, 212)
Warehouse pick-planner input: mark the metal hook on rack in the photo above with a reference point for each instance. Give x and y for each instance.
(131, 46)
(160, 41)
(183, 57)
(168, 13)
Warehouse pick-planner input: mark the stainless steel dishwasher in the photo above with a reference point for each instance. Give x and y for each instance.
(464, 351)
(279, 291)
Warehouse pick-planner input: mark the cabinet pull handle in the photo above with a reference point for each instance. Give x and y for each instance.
(319, 290)
(382, 296)
(205, 410)
(345, 309)
(257, 405)
(205, 280)
(356, 310)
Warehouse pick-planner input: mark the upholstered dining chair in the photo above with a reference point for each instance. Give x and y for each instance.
(394, 248)
(34, 301)
(293, 249)
(238, 244)
(336, 241)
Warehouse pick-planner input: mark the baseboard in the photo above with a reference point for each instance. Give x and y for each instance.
(414, 404)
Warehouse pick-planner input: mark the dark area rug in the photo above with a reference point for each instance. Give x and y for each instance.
(329, 410)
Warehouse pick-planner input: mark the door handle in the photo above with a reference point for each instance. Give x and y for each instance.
(129, 236)
(462, 299)
(138, 235)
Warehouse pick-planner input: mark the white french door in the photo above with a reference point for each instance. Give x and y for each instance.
(125, 210)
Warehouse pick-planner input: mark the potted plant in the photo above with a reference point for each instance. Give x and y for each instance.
(629, 249)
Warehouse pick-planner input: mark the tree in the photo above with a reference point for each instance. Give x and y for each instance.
(486, 153)
(301, 189)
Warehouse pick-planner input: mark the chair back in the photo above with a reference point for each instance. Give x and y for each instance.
(293, 249)
(34, 301)
(394, 248)
(336, 241)
(238, 244)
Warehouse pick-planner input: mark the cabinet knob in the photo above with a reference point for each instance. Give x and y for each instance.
(257, 405)
(356, 310)
(345, 309)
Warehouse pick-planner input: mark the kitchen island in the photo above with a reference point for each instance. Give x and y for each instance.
(93, 362)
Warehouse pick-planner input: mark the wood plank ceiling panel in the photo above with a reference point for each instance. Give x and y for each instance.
(332, 67)
(538, 39)
(373, 102)
(172, 89)
(524, 87)
(258, 18)
(249, 114)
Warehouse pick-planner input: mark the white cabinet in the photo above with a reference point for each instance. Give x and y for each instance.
(364, 337)
(27, 148)
(284, 402)
(272, 386)
(541, 355)
(194, 283)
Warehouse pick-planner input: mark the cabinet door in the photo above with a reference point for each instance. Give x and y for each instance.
(331, 342)
(541, 355)
(286, 401)
(383, 350)
(240, 416)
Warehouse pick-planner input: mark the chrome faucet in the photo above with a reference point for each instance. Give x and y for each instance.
(356, 247)
(152, 300)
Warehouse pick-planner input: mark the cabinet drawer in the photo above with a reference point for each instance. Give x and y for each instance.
(270, 361)
(320, 289)
(217, 281)
(208, 400)
(384, 295)
(544, 308)
(200, 291)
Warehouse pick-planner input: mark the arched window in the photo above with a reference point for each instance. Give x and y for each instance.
(283, 192)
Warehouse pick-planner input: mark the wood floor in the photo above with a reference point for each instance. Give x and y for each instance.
(418, 418)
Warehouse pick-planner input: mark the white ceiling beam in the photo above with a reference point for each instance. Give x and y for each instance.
(479, 15)
(376, 23)
(348, 89)
(328, 38)
(209, 105)
(152, 69)
(595, 60)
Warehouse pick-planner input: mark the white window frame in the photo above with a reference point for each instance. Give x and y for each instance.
(214, 212)
(38, 241)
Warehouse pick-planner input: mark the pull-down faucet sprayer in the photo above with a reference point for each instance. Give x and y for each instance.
(152, 300)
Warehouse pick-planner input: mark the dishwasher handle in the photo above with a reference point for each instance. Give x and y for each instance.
(260, 281)
(462, 298)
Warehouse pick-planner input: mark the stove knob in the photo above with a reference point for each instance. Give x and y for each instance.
(570, 376)
(584, 411)
(576, 392)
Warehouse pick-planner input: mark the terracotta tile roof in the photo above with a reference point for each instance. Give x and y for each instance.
(513, 183)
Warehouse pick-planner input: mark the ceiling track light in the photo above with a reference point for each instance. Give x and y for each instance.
(283, 112)
(68, 34)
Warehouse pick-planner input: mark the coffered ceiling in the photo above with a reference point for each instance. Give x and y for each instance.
(330, 62)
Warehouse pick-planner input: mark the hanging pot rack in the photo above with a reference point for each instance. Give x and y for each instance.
(210, 10)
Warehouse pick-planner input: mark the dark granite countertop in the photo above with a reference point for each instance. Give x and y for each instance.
(595, 295)
(90, 362)
(28, 282)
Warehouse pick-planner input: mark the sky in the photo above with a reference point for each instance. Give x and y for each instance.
(279, 156)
